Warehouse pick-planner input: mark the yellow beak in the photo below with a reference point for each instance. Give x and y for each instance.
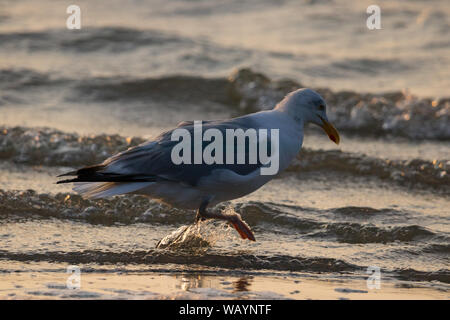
(330, 130)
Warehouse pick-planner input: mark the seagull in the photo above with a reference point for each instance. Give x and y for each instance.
(148, 169)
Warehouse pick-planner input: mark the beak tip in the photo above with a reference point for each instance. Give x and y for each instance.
(334, 139)
(330, 131)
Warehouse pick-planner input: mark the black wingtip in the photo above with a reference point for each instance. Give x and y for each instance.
(66, 181)
(71, 173)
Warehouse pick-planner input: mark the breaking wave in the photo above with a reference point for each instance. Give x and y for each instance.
(395, 113)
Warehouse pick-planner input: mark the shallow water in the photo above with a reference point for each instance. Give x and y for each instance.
(380, 198)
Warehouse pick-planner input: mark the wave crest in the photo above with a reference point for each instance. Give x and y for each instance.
(395, 113)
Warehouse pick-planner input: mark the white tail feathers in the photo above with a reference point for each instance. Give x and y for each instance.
(97, 190)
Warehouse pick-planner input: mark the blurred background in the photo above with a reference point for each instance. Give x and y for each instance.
(321, 43)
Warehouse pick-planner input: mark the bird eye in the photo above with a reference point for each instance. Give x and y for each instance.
(321, 107)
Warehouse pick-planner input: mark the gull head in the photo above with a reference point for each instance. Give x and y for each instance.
(307, 106)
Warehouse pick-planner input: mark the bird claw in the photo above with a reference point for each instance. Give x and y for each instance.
(235, 219)
(242, 228)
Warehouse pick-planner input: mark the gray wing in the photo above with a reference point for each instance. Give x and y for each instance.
(152, 160)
